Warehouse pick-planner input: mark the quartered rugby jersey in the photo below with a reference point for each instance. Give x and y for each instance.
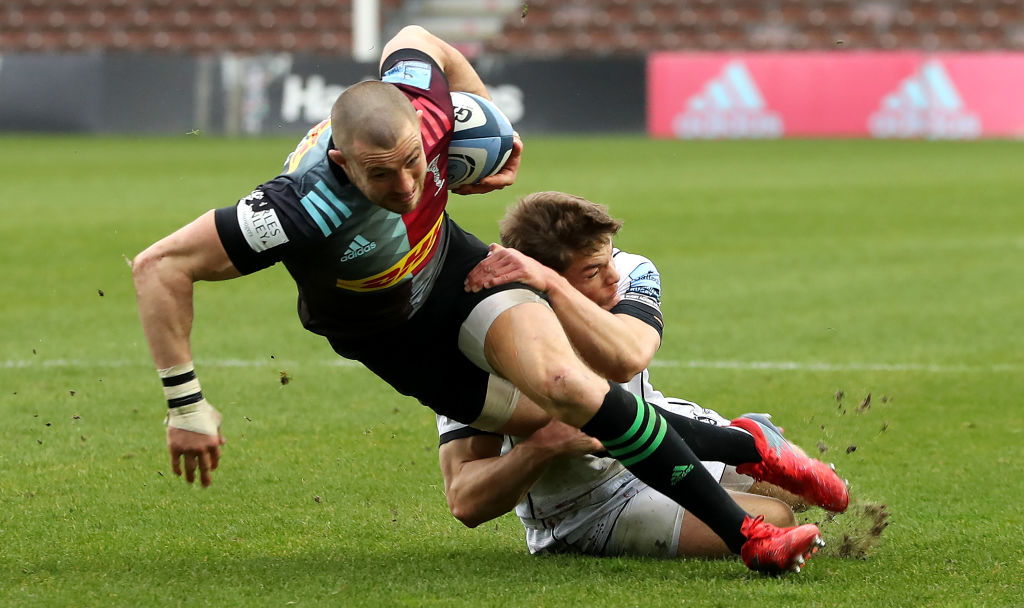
(359, 267)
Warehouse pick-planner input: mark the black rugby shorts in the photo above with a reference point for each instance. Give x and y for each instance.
(421, 358)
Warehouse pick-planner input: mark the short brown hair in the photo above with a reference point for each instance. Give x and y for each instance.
(372, 111)
(553, 227)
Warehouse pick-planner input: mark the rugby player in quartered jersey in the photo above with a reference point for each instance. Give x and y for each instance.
(357, 216)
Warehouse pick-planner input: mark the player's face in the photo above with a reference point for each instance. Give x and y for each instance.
(594, 275)
(391, 177)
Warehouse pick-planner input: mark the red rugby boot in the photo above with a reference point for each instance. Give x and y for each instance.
(773, 550)
(811, 479)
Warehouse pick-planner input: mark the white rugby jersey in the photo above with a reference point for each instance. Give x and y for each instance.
(571, 485)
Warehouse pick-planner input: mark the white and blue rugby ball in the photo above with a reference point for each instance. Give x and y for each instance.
(481, 142)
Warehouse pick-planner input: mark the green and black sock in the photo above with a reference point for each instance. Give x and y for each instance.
(635, 434)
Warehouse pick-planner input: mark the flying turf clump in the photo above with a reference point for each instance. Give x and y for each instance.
(862, 539)
(861, 527)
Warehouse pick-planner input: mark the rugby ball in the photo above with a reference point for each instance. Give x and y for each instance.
(481, 141)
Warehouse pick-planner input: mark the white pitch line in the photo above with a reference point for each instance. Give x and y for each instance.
(808, 366)
(117, 363)
(821, 366)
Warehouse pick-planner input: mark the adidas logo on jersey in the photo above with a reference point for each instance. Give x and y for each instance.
(730, 105)
(358, 247)
(925, 104)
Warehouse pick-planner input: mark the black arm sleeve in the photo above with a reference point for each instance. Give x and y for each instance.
(647, 314)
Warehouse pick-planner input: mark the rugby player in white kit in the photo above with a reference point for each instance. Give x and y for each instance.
(568, 498)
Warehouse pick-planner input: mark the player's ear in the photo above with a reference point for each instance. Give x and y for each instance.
(419, 124)
(339, 159)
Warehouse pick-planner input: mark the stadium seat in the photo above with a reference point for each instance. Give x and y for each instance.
(576, 27)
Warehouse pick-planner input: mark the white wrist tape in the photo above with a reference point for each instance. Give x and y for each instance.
(199, 417)
(186, 407)
(181, 387)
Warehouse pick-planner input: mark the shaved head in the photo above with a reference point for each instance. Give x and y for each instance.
(372, 112)
(379, 146)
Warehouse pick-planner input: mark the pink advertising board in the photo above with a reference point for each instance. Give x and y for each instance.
(834, 94)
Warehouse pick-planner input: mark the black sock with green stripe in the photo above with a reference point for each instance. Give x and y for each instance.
(638, 437)
(710, 442)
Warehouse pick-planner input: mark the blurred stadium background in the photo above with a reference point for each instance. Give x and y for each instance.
(547, 28)
(262, 66)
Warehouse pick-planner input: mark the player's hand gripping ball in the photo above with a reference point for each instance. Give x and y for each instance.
(482, 140)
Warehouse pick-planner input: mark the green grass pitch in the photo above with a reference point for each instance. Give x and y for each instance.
(799, 278)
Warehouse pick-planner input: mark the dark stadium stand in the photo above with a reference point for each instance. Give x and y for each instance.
(576, 27)
(190, 26)
(549, 27)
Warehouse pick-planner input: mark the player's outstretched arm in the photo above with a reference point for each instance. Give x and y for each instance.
(164, 275)
(616, 346)
(480, 484)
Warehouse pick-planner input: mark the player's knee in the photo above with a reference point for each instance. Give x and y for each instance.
(562, 386)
